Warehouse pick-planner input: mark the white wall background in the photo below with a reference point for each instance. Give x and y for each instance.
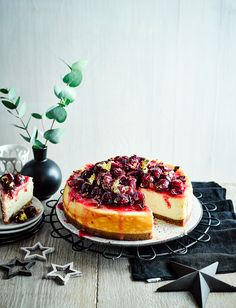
(161, 78)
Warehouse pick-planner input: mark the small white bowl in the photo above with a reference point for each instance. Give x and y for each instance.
(12, 158)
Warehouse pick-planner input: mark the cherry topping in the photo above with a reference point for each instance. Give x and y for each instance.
(116, 181)
(163, 185)
(177, 187)
(107, 198)
(156, 172)
(19, 179)
(121, 199)
(146, 180)
(9, 182)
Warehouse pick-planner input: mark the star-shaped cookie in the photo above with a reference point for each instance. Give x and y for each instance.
(62, 273)
(30, 255)
(199, 282)
(17, 267)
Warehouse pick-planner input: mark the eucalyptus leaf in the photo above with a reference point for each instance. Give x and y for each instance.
(12, 113)
(38, 144)
(22, 110)
(73, 79)
(12, 94)
(17, 101)
(57, 113)
(21, 127)
(40, 133)
(53, 135)
(25, 138)
(57, 91)
(9, 104)
(4, 91)
(27, 124)
(79, 65)
(34, 135)
(68, 94)
(36, 115)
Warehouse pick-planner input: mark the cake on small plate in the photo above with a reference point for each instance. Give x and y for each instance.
(16, 192)
(119, 197)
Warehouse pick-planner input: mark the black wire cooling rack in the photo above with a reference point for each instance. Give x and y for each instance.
(176, 247)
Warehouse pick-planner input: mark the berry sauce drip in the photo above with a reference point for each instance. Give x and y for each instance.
(116, 181)
(10, 182)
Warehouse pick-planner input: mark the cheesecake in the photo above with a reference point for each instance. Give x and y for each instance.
(119, 198)
(16, 192)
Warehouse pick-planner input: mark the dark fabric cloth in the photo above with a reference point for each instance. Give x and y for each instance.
(221, 247)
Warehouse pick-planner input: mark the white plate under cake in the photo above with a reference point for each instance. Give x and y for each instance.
(162, 230)
(119, 198)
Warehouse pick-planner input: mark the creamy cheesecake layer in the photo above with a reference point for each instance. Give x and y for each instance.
(112, 223)
(172, 209)
(11, 205)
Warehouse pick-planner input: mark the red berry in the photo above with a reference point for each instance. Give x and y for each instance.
(19, 179)
(163, 185)
(177, 186)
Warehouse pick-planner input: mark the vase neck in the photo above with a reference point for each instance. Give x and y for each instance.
(40, 154)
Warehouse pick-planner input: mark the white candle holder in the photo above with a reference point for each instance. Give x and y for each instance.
(12, 158)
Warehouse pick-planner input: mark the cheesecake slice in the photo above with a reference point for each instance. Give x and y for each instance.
(119, 197)
(16, 191)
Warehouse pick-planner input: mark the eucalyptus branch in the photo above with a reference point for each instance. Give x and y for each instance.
(56, 113)
(23, 124)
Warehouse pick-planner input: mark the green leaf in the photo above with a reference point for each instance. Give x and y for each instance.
(38, 144)
(79, 65)
(36, 115)
(53, 135)
(73, 79)
(57, 91)
(9, 104)
(68, 95)
(34, 135)
(17, 101)
(12, 113)
(25, 138)
(22, 110)
(57, 113)
(4, 90)
(27, 124)
(21, 127)
(12, 94)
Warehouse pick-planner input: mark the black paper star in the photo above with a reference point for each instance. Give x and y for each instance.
(199, 282)
(23, 268)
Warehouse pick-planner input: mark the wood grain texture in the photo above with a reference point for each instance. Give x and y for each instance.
(36, 290)
(160, 80)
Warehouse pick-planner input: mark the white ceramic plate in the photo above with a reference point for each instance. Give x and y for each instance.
(25, 228)
(163, 231)
(21, 226)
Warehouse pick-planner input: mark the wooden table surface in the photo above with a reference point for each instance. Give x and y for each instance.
(104, 284)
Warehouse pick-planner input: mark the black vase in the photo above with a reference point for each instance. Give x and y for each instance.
(45, 173)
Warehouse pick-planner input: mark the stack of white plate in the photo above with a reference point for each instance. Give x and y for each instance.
(14, 230)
